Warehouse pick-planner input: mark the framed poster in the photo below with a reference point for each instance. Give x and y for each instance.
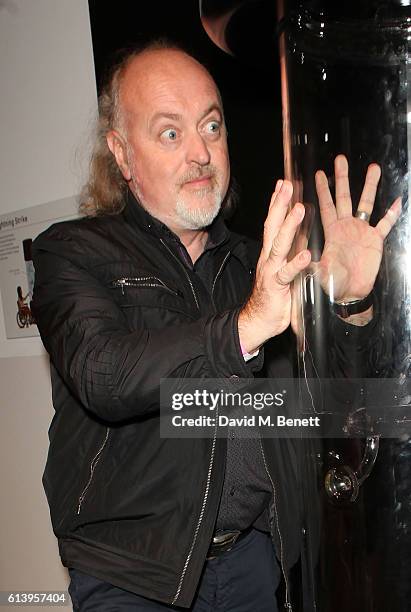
(17, 232)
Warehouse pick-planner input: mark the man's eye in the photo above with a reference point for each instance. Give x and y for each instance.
(169, 134)
(213, 127)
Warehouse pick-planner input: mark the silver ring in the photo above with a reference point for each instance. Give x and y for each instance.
(364, 216)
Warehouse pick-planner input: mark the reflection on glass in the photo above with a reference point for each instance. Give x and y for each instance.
(345, 91)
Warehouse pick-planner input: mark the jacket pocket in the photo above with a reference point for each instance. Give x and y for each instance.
(92, 468)
(144, 282)
(153, 302)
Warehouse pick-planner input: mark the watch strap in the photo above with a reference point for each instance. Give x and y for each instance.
(346, 309)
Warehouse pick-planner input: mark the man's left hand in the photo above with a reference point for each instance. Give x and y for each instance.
(353, 249)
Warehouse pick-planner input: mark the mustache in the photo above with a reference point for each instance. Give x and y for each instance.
(197, 173)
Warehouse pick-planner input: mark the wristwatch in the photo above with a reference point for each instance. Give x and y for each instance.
(346, 309)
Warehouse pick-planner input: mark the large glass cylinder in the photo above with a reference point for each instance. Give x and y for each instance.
(345, 76)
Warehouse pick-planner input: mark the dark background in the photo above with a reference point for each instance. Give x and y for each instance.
(250, 85)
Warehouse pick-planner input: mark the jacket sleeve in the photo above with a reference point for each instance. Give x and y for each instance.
(113, 371)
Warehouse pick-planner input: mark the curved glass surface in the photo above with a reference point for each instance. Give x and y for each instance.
(345, 91)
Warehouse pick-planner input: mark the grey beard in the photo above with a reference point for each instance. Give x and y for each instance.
(198, 218)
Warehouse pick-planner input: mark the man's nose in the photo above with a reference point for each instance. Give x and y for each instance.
(197, 150)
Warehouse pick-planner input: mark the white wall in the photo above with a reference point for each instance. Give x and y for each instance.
(47, 103)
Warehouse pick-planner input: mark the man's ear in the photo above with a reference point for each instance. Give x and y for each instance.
(117, 146)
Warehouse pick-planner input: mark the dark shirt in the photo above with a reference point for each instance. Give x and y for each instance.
(246, 490)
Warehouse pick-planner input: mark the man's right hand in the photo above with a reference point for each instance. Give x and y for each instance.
(267, 313)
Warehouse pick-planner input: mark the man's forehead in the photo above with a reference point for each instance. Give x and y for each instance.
(165, 82)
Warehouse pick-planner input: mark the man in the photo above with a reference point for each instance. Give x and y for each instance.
(152, 285)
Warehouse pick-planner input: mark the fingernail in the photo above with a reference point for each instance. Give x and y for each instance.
(279, 184)
(396, 207)
(299, 210)
(303, 256)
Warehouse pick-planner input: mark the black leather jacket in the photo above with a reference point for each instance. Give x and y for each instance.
(117, 310)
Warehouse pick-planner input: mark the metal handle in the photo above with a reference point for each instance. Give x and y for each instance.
(342, 483)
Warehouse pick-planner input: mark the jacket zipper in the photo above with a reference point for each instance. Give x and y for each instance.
(143, 281)
(220, 269)
(287, 604)
(93, 464)
(200, 518)
(210, 467)
(184, 270)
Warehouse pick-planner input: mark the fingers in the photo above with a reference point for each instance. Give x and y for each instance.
(385, 225)
(278, 186)
(288, 273)
(343, 208)
(327, 208)
(342, 187)
(304, 231)
(276, 214)
(283, 241)
(369, 191)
